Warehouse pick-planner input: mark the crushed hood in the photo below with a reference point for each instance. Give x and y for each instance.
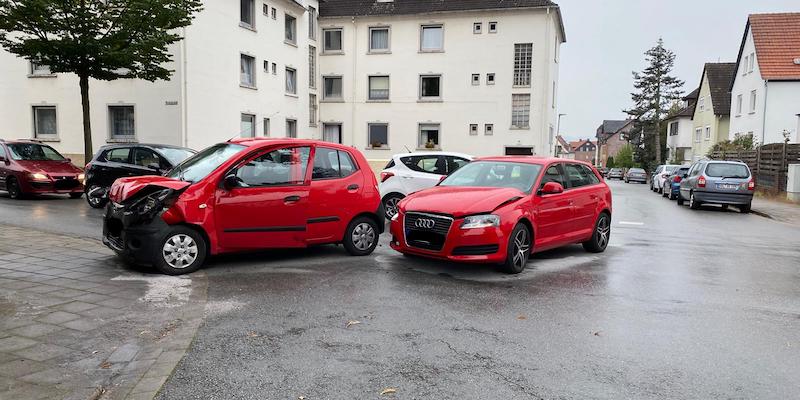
(460, 201)
(124, 188)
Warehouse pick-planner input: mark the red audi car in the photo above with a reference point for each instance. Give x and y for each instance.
(503, 209)
(246, 194)
(28, 167)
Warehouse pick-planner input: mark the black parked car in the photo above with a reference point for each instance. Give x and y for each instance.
(122, 160)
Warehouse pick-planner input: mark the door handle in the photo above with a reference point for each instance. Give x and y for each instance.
(352, 187)
(291, 199)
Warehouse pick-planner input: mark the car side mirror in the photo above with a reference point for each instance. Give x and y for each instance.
(552, 188)
(231, 181)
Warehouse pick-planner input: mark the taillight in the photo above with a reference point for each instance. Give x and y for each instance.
(676, 179)
(751, 185)
(385, 176)
(701, 182)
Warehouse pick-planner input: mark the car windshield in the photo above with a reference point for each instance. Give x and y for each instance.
(726, 170)
(636, 170)
(175, 155)
(34, 152)
(670, 168)
(203, 163)
(497, 174)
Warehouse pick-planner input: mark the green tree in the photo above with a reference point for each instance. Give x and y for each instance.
(625, 157)
(104, 40)
(610, 162)
(655, 92)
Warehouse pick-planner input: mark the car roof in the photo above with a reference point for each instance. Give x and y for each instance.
(266, 142)
(432, 153)
(148, 145)
(26, 141)
(539, 160)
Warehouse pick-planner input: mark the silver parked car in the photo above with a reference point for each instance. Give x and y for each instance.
(636, 175)
(614, 173)
(718, 182)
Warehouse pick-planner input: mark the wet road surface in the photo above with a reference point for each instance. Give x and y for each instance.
(683, 304)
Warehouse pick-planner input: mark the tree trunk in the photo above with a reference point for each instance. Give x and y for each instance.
(88, 151)
(658, 140)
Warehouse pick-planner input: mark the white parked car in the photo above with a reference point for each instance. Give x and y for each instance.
(661, 173)
(411, 172)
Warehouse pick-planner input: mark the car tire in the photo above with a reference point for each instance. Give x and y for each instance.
(14, 190)
(390, 204)
(672, 196)
(520, 246)
(182, 251)
(95, 202)
(693, 204)
(361, 237)
(745, 208)
(600, 236)
(680, 199)
(664, 192)
(75, 195)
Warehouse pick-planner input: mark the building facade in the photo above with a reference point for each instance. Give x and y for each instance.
(679, 130)
(382, 76)
(612, 136)
(584, 150)
(766, 89)
(711, 116)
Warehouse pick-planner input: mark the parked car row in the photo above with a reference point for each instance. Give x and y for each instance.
(716, 182)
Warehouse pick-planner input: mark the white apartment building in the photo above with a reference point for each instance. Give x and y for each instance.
(382, 76)
(679, 130)
(765, 96)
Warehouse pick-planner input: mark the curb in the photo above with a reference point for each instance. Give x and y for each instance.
(762, 214)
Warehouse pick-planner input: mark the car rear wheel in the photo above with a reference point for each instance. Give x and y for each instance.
(95, 202)
(390, 204)
(600, 236)
(519, 250)
(745, 208)
(693, 203)
(361, 236)
(182, 251)
(13, 188)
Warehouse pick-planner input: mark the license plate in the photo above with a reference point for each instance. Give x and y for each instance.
(728, 186)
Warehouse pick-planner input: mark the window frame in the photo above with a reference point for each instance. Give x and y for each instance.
(252, 122)
(337, 124)
(430, 99)
(254, 75)
(739, 102)
(312, 23)
(477, 28)
(325, 97)
(111, 138)
(312, 67)
(369, 89)
(515, 112)
(698, 134)
(286, 18)
(476, 80)
(422, 28)
(35, 134)
(491, 78)
(32, 71)
(325, 50)
(288, 132)
(388, 48)
(523, 66)
(384, 146)
(266, 128)
(313, 110)
(244, 24)
(492, 30)
(753, 101)
(235, 169)
(707, 133)
(286, 81)
(473, 129)
(422, 146)
(488, 129)
(339, 153)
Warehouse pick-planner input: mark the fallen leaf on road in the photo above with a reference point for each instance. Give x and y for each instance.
(351, 323)
(96, 351)
(596, 333)
(105, 365)
(253, 334)
(301, 397)
(388, 391)
(521, 317)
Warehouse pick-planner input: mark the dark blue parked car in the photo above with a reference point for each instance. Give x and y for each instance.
(672, 185)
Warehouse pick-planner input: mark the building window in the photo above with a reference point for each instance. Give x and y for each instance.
(266, 66)
(708, 133)
(379, 88)
(332, 133)
(473, 129)
(520, 111)
(312, 67)
(490, 79)
(312, 23)
(430, 87)
(265, 9)
(553, 100)
(378, 135)
(333, 88)
(379, 39)
(752, 62)
(698, 133)
(44, 122)
(291, 80)
(523, 60)
(312, 110)
(488, 129)
(266, 127)
(477, 28)
(476, 79)
(40, 69)
(290, 23)
(429, 136)
(274, 69)
(701, 103)
(247, 14)
(248, 126)
(673, 129)
(492, 27)
(745, 65)
(739, 105)
(432, 38)
(247, 74)
(274, 13)
(332, 40)
(752, 102)
(291, 128)
(122, 122)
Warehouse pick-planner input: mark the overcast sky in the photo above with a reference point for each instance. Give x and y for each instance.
(606, 41)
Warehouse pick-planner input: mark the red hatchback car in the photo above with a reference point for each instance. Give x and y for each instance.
(246, 194)
(503, 209)
(28, 167)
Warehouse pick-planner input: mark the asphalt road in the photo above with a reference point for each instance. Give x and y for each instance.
(683, 304)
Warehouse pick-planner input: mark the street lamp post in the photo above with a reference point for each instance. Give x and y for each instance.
(558, 133)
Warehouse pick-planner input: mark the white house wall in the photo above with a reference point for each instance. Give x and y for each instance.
(783, 107)
(744, 82)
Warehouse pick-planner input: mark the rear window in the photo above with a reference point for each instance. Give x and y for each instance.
(389, 165)
(670, 168)
(636, 170)
(725, 170)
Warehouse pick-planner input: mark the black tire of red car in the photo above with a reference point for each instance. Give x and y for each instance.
(600, 236)
(745, 208)
(361, 236)
(693, 204)
(95, 202)
(390, 204)
(185, 254)
(13, 188)
(518, 251)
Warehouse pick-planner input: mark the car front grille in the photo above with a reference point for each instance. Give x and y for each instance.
(427, 231)
(65, 183)
(480, 250)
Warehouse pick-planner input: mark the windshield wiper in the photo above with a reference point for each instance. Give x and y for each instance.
(733, 176)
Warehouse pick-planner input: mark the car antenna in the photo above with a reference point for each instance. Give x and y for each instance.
(407, 149)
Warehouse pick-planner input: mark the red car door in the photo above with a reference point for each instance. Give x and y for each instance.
(336, 191)
(583, 191)
(552, 213)
(267, 207)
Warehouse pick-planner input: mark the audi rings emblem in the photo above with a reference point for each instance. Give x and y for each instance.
(425, 223)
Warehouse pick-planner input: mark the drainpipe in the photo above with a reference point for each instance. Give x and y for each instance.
(353, 84)
(764, 116)
(184, 90)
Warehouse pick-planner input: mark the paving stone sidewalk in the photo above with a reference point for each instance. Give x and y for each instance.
(76, 323)
(777, 210)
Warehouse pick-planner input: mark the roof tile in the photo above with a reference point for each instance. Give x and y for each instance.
(777, 40)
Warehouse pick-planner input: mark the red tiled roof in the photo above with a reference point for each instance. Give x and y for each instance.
(777, 41)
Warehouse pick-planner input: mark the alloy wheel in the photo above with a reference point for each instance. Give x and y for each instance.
(93, 200)
(390, 206)
(603, 231)
(13, 189)
(521, 248)
(363, 236)
(180, 251)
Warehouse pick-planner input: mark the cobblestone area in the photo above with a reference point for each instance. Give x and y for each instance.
(75, 323)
